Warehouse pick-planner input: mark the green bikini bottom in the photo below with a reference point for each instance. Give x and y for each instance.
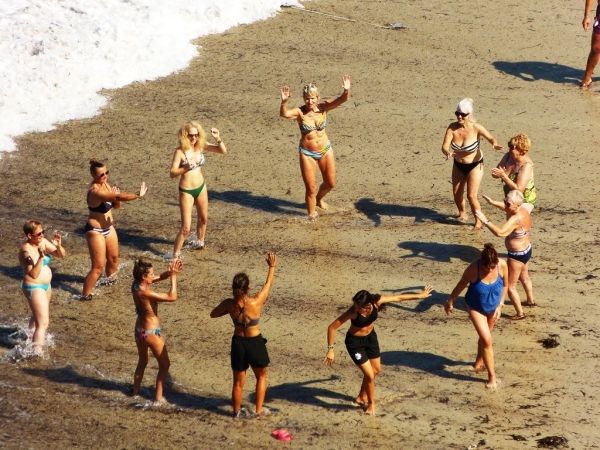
(193, 192)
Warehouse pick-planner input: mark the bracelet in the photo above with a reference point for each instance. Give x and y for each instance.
(485, 223)
(330, 347)
(219, 141)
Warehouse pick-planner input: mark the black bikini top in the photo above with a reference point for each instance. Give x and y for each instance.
(362, 321)
(102, 208)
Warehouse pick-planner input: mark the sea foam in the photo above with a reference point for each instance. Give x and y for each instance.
(58, 54)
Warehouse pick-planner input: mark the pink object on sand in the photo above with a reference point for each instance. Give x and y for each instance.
(282, 434)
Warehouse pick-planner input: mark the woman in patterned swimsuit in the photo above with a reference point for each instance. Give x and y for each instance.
(147, 326)
(516, 170)
(461, 143)
(187, 162)
(314, 148)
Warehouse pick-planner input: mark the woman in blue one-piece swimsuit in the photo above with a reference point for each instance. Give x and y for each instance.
(488, 285)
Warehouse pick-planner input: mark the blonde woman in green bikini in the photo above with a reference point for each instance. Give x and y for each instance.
(187, 162)
(516, 170)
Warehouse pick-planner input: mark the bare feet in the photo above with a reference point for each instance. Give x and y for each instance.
(462, 219)
(370, 411)
(477, 227)
(492, 384)
(362, 402)
(312, 217)
(517, 317)
(321, 204)
(479, 368)
(585, 85)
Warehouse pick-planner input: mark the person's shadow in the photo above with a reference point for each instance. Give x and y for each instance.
(304, 392)
(440, 252)
(426, 362)
(68, 375)
(258, 202)
(540, 70)
(373, 210)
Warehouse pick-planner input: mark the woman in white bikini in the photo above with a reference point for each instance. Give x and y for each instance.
(461, 142)
(314, 148)
(187, 162)
(34, 257)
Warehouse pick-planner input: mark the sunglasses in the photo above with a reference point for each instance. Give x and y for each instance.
(39, 234)
(193, 135)
(461, 114)
(103, 174)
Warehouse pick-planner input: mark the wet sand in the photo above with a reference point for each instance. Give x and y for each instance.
(390, 228)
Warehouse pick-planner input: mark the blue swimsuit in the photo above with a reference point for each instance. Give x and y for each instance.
(484, 297)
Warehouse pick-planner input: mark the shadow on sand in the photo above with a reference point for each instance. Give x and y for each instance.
(539, 70)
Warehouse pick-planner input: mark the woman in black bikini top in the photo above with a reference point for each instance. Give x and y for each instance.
(361, 340)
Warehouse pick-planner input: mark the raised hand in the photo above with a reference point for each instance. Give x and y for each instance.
(215, 133)
(426, 292)
(285, 94)
(143, 189)
(271, 259)
(346, 82)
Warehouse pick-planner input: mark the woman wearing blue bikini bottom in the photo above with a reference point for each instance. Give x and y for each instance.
(147, 326)
(34, 257)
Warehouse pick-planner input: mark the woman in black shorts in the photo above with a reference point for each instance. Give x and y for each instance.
(361, 339)
(248, 347)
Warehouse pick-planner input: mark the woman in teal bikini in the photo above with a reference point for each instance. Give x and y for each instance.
(187, 161)
(314, 148)
(147, 326)
(34, 257)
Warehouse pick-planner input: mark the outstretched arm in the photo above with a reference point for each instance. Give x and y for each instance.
(426, 292)
(332, 104)
(496, 203)
(221, 309)
(467, 276)
(219, 147)
(292, 113)
(503, 231)
(330, 356)
(261, 297)
(491, 139)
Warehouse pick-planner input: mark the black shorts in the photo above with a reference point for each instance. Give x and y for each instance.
(523, 256)
(362, 348)
(248, 351)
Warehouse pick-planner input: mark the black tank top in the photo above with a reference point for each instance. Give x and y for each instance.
(361, 321)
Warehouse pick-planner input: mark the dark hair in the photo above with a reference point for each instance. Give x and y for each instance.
(363, 298)
(30, 225)
(489, 255)
(95, 164)
(240, 285)
(141, 268)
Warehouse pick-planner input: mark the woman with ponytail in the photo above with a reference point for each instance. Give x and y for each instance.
(361, 339)
(488, 285)
(248, 347)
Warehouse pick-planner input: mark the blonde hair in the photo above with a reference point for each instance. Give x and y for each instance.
(515, 197)
(520, 142)
(30, 226)
(310, 89)
(184, 141)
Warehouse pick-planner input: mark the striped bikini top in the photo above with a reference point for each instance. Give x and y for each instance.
(320, 126)
(467, 148)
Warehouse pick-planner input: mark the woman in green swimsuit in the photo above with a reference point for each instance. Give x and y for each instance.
(34, 257)
(516, 170)
(187, 161)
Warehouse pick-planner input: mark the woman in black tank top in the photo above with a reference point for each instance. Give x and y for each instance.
(361, 339)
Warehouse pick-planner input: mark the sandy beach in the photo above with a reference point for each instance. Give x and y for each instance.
(391, 228)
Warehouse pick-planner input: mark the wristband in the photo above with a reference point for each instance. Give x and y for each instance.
(485, 223)
(330, 347)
